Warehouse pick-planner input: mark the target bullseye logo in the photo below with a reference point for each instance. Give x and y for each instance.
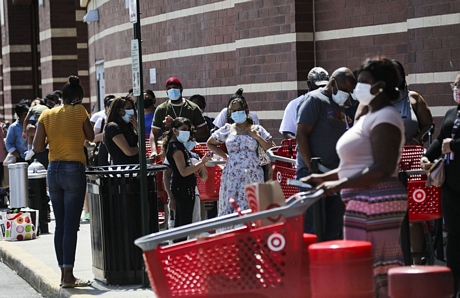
(419, 195)
(276, 242)
(279, 177)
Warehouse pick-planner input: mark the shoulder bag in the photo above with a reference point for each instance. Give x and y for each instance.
(436, 174)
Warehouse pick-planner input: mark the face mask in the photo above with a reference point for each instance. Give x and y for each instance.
(75, 102)
(174, 94)
(353, 95)
(189, 145)
(363, 93)
(127, 116)
(341, 97)
(183, 136)
(148, 103)
(239, 116)
(456, 95)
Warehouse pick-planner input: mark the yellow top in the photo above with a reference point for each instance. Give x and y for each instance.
(64, 131)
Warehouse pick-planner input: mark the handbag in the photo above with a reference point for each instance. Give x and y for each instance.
(9, 159)
(19, 226)
(93, 158)
(436, 174)
(263, 157)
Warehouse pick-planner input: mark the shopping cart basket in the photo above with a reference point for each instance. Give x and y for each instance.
(245, 262)
(283, 160)
(209, 189)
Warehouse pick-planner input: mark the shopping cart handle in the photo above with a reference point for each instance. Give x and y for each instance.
(213, 163)
(295, 206)
(414, 172)
(299, 184)
(274, 157)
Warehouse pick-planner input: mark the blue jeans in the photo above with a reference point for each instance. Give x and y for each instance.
(67, 188)
(333, 212)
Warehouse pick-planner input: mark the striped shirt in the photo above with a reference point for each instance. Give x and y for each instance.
(64, 131)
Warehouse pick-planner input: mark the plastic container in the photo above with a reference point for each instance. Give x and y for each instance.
(115, 204)
(420, 282)
(246, 262)
(341, 269)
(38, 198)
(19, 188)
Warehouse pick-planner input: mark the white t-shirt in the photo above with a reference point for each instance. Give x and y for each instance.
(221, 119)
(290, 115)
(98, 123)
(354, 147)
(97, 116)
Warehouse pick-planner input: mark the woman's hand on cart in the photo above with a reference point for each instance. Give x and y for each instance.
(313, 179)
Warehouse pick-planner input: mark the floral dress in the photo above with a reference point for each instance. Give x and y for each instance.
(242, 167)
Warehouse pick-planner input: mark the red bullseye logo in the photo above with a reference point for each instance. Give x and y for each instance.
(276, 242)
(279, 177)
(274, 219)
(419, 195)
(252, 198)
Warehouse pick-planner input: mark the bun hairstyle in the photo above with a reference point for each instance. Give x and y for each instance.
(238, 98)
(382, 69)
(72, 91)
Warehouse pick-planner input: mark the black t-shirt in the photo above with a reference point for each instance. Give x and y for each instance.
(118, 157)
(177, 180)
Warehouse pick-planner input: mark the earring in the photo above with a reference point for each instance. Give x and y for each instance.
(380, 90)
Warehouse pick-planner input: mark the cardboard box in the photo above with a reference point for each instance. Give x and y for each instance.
(264, 196)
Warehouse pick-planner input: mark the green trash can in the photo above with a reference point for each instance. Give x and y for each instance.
(115, 208)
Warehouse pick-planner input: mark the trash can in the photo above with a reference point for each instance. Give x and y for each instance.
(38, 199)
(115, 208)
(19, 189)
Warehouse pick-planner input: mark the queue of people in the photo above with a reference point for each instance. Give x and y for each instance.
(365, 199)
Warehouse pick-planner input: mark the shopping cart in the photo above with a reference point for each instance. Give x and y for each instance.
(283, 160)
(209, 189)
(163, 213)
(245, 262)
(424, 202)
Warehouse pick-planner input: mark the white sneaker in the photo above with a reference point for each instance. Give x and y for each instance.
(29, 154)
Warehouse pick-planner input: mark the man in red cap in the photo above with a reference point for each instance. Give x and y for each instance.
(176, 106)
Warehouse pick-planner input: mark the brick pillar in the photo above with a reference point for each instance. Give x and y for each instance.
(58, 43)
(17, 57)
(82, 52)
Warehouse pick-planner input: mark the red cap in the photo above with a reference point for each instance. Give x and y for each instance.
(173, 81)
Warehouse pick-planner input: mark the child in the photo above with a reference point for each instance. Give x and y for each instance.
(36, 109)
(183, 180)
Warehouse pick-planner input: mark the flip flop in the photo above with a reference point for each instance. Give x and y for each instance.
(79, 283)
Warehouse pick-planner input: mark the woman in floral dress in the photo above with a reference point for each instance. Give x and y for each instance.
(242, 138)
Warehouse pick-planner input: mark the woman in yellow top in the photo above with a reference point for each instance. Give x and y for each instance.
(65, 129)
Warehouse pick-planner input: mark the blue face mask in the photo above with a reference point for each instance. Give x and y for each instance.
(239, 116)
(183, 136)
(189, 145)
(174, 94)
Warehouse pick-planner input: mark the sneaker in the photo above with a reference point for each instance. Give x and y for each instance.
(29, 154)
(85, 217)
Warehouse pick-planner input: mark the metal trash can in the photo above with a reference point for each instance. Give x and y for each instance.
(115, 208)
(38, 199)
(19, 188)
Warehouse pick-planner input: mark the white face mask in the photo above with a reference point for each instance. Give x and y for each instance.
(456, 94)
(363, 93)
(127, 116)
(341, 97)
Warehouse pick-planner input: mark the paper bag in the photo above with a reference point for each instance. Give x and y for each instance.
(264, 196)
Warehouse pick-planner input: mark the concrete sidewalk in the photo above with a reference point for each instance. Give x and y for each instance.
(35, 261)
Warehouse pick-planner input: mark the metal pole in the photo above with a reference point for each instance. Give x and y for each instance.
(145, 209)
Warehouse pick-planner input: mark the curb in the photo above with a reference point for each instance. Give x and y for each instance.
(40, 276)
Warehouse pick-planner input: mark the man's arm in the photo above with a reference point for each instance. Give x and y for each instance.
(303, 142)
(154, 136)
(202, 132)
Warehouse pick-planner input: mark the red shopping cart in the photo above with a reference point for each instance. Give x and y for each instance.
(261, 262)
(209, 189)
(424, 202)
(283, 159)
